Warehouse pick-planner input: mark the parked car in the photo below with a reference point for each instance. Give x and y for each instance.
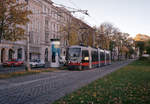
(62, 60)
(37, 63)
(13, 62)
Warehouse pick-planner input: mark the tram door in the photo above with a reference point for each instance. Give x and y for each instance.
(85, 59)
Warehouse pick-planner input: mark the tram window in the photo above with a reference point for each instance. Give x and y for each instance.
(102, 56)
(94, 56)
(74, 52)
(107, 56)
(85, 56)
(99, 56)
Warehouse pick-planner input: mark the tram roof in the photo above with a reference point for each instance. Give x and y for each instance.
(77, 46)
(83, 46)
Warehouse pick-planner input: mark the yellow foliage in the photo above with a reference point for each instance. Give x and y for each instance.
(13, 16)
(141, 37)
(124, 49)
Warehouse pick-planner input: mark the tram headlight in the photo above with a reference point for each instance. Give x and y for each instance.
(86, 58)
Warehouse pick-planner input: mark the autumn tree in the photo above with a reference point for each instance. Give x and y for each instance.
(141, 46)
(131, 51)
(86, 35)
(118, 40)
(76, 32)
(107, 37)
(104, 34)
(130, 44)
(70, 32)
(13, 16)
(101, 38)
(91, 37)
(148, 47)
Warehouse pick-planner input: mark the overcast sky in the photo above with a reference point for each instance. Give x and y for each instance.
(131, 16)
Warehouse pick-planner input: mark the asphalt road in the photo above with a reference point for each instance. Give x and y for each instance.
(45, 88)
(11, 69)
(14, 69)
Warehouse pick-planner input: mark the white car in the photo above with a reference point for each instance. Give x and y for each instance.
(62, 60)
(37, 63)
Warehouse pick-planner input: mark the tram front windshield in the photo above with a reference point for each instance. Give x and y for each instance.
(74, 52)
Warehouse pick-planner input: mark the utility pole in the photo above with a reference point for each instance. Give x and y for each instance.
(27, 46)
(73, 10)
(28, 53)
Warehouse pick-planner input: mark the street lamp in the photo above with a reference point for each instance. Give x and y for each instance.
(27, 44)
(28, 53)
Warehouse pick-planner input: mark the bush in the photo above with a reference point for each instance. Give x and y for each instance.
(143, 58)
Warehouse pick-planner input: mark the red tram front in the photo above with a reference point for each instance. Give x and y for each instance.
(83, 57)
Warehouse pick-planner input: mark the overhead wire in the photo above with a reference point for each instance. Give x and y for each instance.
(80, 8)
(74, 4)
(76, 8)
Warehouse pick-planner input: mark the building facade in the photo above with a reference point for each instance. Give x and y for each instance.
(45, 24)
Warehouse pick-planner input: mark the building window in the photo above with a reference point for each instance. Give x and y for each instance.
(11, 54)
(46, 37)
(20, 53)
(46, 24)
(31, 37)
(46, 55)
(3, 55)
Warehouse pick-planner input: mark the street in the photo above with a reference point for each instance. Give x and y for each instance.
(45, 88)
(15, 69)
(11, 69)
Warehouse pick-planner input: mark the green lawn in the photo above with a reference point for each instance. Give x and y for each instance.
(129, 85)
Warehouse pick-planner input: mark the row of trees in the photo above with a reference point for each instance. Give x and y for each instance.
(106, 36)
(111, 38)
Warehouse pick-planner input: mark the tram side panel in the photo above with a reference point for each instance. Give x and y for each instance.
(109, 58)
(105, 57)
(102, 59)
(99, 58)
(85, 59)
(95, 62)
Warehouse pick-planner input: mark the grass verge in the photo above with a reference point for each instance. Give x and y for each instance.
(129, 85)
(23, 73)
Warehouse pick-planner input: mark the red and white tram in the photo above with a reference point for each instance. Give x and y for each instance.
(83, 57)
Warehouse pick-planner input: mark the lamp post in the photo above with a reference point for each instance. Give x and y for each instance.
(27, 45)
(28, 53)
